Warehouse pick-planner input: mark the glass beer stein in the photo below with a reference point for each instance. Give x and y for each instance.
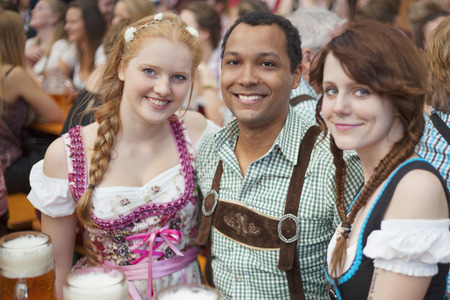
(96, 283)
(59, 87)
(188, 291)
(26, 267)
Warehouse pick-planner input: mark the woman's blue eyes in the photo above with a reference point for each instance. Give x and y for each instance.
(331, 91)
(360, 92)
(178, 77)
(149, 72)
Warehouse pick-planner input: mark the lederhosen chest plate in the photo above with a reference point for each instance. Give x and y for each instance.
(255, 230)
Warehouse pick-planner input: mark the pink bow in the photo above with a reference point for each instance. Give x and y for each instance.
(154, 239)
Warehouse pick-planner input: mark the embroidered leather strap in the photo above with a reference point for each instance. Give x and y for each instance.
(255, 230)
(246, 226)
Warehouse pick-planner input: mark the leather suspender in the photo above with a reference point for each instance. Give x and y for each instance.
(289, 260)
(256, 230)
(300, 98)
(440, 125)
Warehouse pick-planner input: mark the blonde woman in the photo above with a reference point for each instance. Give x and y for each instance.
(21, 95)
(130, 175)
(85, 29)
(44, 51)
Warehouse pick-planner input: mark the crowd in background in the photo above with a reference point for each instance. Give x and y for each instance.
(73, 41)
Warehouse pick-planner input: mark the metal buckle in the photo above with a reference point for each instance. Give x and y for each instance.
(297, 228)
(208, 213)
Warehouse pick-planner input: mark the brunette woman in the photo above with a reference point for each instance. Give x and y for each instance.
(394, 240)
(85, 28)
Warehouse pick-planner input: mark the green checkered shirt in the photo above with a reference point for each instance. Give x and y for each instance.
(243, 273)
(307, 108)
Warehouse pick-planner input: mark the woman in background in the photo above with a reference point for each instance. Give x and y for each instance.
(435, 145)
(21, 99)
(106, 8)
(203, 17)
(82, 110)
(44, 51)
(423, 17)
(85, 29)
(394, 240)
(133, 10)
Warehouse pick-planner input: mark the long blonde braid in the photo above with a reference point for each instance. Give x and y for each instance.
(109, 123)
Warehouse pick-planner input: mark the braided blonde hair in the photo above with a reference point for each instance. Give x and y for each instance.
(111, 89)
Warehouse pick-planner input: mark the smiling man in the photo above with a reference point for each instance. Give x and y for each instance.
(267, 222)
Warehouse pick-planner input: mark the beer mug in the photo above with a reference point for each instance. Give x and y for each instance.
(188, 292)
(96, 283)
(26, 267)
(59, 87)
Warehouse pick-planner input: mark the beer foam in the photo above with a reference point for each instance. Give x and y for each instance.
(94, 280)
(25, 257)
(188, 293)
(96, 286)
(26, 241)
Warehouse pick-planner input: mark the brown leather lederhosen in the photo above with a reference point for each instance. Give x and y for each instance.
(255, 230)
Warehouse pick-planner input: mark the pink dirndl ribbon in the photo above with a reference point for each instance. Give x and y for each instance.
(144, 269)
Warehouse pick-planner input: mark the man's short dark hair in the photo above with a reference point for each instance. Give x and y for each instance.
(257, 18)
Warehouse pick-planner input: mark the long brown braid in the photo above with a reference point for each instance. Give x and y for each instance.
(340, 175)
(398, 154)
(111, 89)
(380, 57)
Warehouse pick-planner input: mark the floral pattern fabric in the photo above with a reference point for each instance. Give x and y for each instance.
(121, 212)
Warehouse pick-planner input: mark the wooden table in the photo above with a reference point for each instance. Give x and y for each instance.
(53, 128)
